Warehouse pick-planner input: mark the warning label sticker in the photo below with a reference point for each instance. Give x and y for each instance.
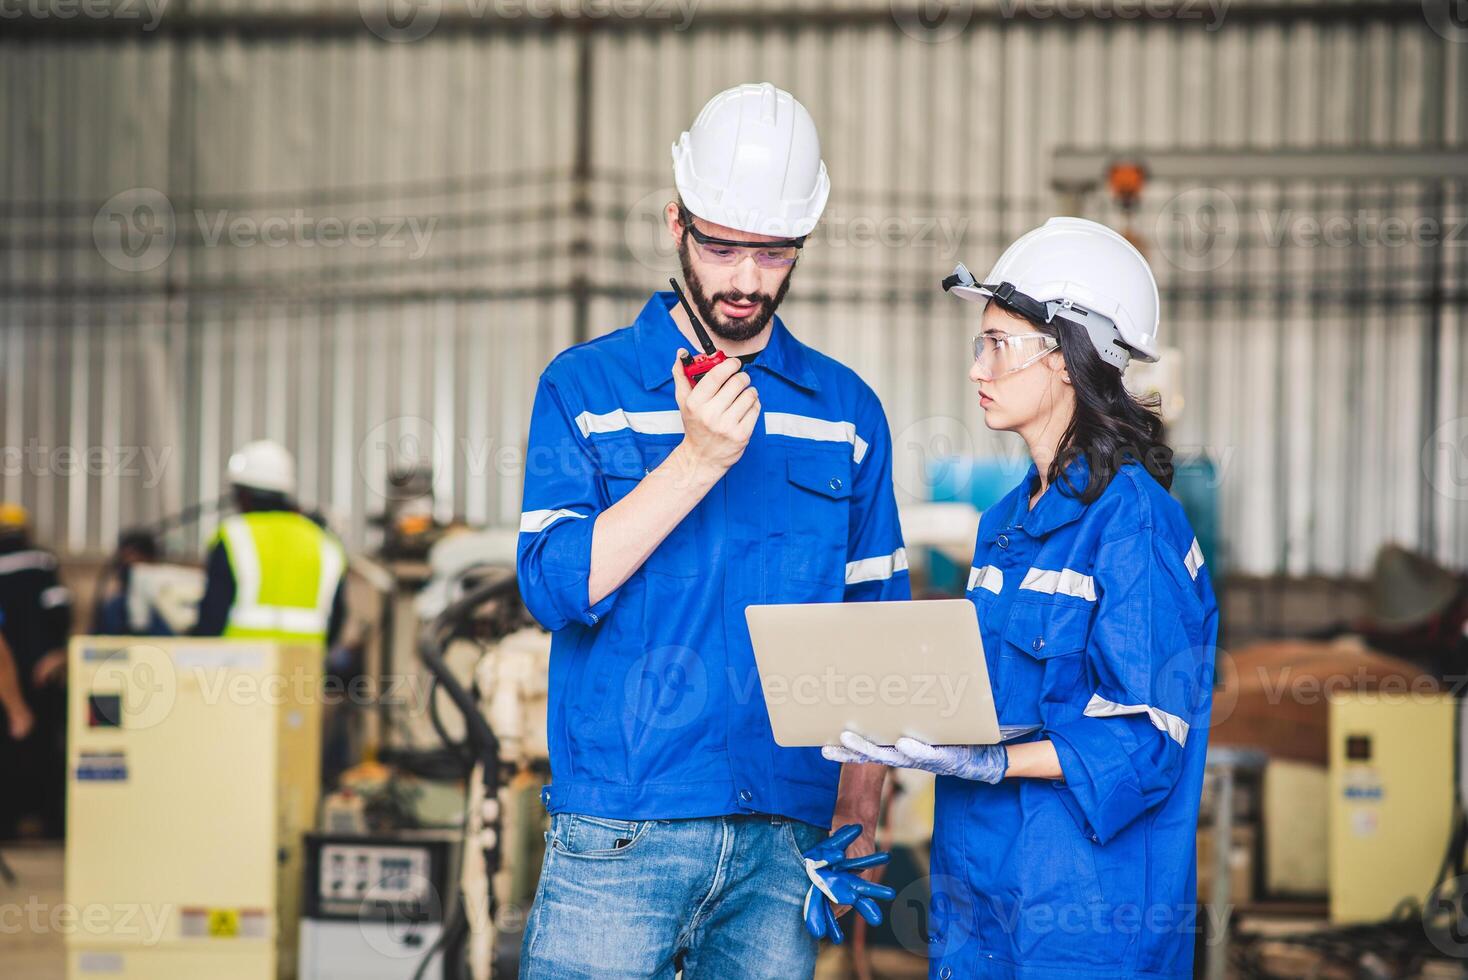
(222, 923)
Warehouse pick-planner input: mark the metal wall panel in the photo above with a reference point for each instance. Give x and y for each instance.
(1306, 367)
(353, 356)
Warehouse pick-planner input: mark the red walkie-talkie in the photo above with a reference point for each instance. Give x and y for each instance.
(696, 367)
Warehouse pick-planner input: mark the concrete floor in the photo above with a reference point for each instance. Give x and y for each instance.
(30, 948)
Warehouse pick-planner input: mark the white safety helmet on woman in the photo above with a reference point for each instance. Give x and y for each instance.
(752, 161)
(1080, 271)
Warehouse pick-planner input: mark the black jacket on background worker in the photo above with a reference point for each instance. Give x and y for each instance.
(37, 618)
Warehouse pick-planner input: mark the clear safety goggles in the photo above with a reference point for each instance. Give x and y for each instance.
(998, 356)
(779, 254)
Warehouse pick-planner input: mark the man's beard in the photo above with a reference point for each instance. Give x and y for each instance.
(719, 325)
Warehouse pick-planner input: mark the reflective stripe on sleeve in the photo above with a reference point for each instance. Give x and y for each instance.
(1099, 707)
(1194, 559)
(652, 423)
(876, 569)
(535, 521)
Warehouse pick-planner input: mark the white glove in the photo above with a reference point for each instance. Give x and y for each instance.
(982, 763)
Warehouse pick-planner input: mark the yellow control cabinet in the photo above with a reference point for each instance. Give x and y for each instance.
(1391, 799)
(194, 768)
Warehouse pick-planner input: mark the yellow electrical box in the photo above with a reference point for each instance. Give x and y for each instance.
(193, 775)
(1391, 799)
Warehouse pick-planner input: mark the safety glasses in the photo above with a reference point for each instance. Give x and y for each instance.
(780, 254)
(1000, 355)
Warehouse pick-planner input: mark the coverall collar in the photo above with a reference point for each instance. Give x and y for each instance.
(658, 340)
(1055, 508)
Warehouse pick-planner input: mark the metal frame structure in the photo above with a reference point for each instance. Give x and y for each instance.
(532, 251)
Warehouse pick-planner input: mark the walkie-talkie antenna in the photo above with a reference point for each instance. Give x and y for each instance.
(698, 329)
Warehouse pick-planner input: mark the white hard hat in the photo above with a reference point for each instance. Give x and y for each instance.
(752, 161)
(263, 465)
(1082, 271)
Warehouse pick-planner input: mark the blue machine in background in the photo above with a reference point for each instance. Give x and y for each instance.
(982, 482)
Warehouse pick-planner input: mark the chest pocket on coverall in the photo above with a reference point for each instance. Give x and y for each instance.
(1041, 656)
(818, 514)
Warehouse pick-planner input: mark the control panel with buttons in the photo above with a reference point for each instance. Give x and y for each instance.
(354, 877)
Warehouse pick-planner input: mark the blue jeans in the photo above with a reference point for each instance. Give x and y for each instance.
(718, 897)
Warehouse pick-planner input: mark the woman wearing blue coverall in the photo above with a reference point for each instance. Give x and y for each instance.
(1070, 852)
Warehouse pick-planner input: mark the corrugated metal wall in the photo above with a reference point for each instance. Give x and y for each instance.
(532, 162)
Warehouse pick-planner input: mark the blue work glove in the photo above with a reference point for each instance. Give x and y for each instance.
(982, 763)
(834, 881)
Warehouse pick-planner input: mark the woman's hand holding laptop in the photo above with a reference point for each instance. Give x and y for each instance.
(982, 763)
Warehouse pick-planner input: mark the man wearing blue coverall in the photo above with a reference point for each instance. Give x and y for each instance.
(655, 511)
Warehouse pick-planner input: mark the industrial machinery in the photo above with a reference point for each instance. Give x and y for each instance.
(1391, 800)
(1398, 851)
(193, 769)
(492, 720)
(375, 905)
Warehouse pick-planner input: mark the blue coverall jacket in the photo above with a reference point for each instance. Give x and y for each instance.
(1099, 624)
(656, 709)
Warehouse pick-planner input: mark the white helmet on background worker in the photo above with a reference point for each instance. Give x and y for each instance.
(752, 161)
(1082, 271)
(263, 465)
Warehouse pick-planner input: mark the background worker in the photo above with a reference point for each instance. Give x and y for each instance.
(37, 615)
(110, 612)
(272, 572)
(655, 512)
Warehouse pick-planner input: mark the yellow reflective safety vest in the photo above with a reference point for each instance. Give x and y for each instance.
(286, 571)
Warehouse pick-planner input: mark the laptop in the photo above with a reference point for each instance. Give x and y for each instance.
(880, 669)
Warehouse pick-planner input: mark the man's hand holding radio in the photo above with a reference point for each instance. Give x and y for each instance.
(719, 415)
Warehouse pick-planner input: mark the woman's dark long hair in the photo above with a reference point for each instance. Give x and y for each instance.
(1110, 425)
